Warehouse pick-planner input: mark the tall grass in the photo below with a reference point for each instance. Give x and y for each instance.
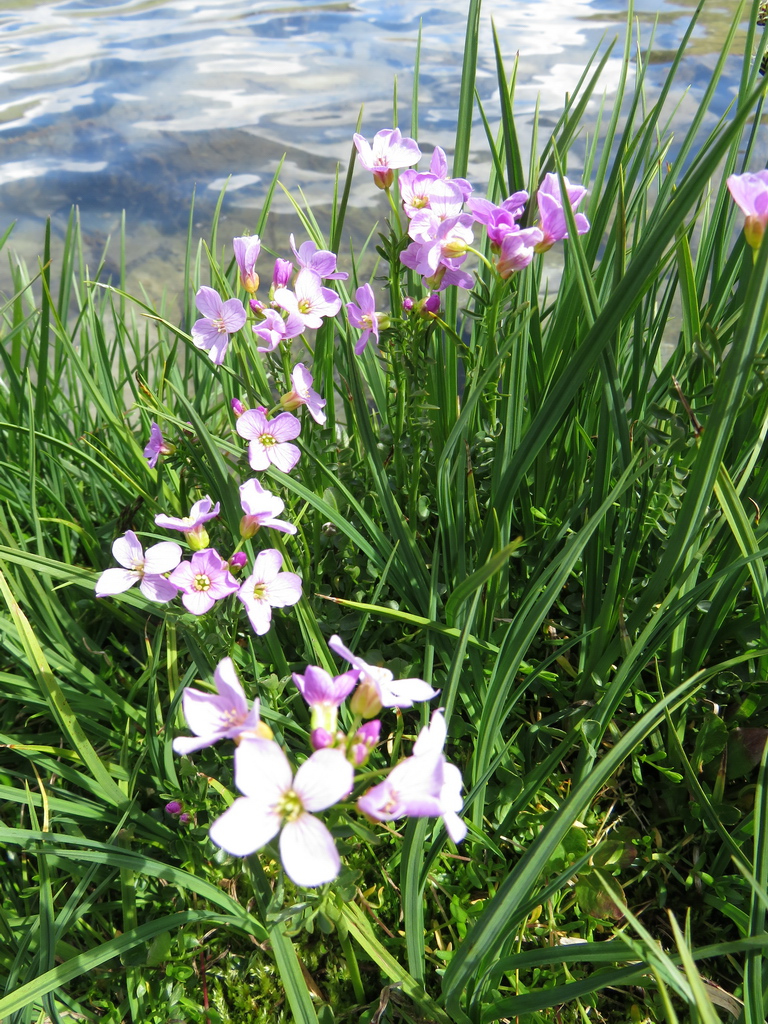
(546, 503)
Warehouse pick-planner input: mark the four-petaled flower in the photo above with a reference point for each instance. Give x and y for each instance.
(267, 588)
(261, 508)
(201, 512)
(274, 328)
(203, 581)
(304, 394)
(223, 715)
(388, 152)
(270, 439)
(145, 569)
(363, 315)
(551, 211)
(274, 799)
(377, 686)
(220, 319)
(422, 786)
(517, 250)
(156, 446)
(309, 301)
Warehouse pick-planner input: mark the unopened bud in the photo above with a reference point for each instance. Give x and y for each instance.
(754, 229)
(237, 561)
(248, 527)
(321, 738)
(237, 407)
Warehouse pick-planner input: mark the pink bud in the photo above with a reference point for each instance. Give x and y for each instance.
(407, 304)
(237, 407)
(281, 275)
(238, 560)
(321, 738)
(173, 807)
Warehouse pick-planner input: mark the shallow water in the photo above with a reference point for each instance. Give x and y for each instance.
(134, 104)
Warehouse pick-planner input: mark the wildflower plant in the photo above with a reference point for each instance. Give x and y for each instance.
(437, 632)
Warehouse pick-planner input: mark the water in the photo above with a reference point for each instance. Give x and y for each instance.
(134, 104)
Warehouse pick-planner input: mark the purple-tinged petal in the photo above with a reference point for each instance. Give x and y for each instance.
(283, 457)
(158, 588)
(285, 590)
(198, 602)
(208, 301)
(127, 550)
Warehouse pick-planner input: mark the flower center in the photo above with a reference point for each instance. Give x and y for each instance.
(260, 591)
(201, 582)
(419, 202)
(305, 305)
(137, 565)
(268, 440)
(289, 806)
(218, 323)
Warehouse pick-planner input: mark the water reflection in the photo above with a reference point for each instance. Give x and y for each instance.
(134, 104)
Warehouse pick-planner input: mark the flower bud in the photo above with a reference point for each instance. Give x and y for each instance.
(365, 739)
(428, 308)
(237, 561)
(174, 807)
(321, 738)
(257, 306)
(281, 275)
(407, 304)
(237, 407)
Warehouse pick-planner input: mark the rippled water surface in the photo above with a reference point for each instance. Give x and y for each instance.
(132, 105)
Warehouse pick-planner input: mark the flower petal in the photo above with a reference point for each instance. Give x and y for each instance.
(245, 827)
(262, 770)
(115, 581)
(308, 852)
(285, 590)
(324, 779)
(162, 557)
(127, 550)
(158, 588)
(282, 456)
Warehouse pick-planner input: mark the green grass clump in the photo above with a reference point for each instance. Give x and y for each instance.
(547, 502)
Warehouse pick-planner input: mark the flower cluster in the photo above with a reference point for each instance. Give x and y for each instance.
(276, 800)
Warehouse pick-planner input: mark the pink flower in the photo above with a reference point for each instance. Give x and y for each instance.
(201, 512)
(274, 799)
(365, 318)
(269, 439)
(378, 686)
(364, 740)
(750, 193)
(247, 251)
(221, 318)
(156, 446)
(310, 301)
(304, 394)
(261, 508)
(427, 191)
(223, 715)
(145, 569)
(268, 588)
(517, 250)
(499, 220)
(274, 329)
(321, 261)
(422, 786)
(437, 244)
(389, 151)
(552, 218)
(203, 581)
